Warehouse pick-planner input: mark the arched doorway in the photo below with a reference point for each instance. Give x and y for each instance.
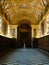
(24, 35)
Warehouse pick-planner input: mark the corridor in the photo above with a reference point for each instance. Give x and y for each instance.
(24, 23)
(24, 56)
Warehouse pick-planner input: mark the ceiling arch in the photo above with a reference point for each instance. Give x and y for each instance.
(16, 10)
(24, 21)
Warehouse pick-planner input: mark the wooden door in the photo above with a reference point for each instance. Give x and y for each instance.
(24, 34)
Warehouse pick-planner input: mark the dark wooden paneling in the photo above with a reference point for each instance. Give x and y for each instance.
(43, 43)
(35, 42)
(5, 42)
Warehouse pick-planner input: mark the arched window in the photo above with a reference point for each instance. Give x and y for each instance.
(0, 24)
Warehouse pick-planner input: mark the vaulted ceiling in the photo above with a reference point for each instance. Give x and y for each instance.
(17, 10)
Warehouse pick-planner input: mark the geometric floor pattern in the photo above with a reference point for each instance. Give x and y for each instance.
(24, 56)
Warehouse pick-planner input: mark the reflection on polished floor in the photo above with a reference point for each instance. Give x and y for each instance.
(24, 56)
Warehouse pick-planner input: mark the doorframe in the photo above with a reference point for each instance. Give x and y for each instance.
(18, 31)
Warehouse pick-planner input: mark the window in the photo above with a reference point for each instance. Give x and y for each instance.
(0, 24)
(13, 32)
(8, 30)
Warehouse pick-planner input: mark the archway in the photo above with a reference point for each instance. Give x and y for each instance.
(24, 34)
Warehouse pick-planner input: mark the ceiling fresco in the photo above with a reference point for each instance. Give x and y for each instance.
(17, 10)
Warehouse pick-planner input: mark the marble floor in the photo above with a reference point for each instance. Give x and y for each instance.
(24, 56)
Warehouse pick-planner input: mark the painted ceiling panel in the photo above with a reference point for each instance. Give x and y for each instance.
(17, 10)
